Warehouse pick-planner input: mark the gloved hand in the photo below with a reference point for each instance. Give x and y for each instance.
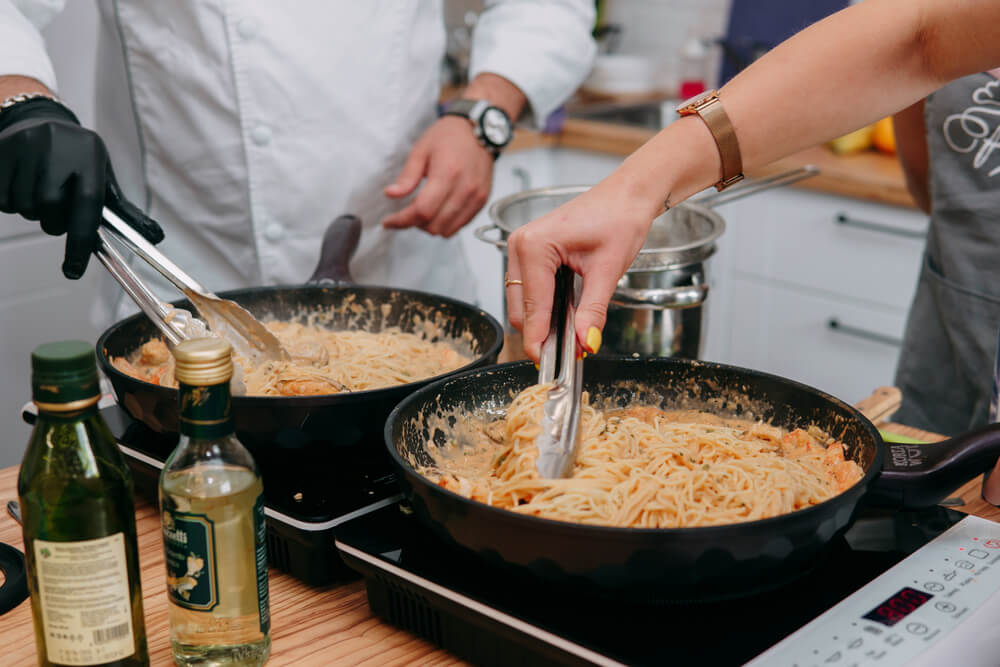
(57, 172)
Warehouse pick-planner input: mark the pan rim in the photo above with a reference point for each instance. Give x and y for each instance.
(319, 399)
(699, 532)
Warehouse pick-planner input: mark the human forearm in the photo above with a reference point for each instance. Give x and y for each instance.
(499, 91)
(13, 84)
(849, 70)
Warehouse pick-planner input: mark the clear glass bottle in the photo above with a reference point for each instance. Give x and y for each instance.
(78, 513)
(212, 511)
(693, 69)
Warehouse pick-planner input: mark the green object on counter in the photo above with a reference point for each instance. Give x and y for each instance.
(889, 436)
(75, 492)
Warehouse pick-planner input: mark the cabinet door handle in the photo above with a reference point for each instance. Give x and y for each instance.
(846, 220)
(523, 177)
(835, 325)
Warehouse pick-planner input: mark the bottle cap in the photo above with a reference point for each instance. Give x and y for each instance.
(64, 374)
(202, 362)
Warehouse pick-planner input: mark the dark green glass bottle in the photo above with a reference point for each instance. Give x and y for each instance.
(214, 536)
(75, 491)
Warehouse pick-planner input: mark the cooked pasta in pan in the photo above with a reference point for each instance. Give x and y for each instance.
(646, 467)
(323, 361)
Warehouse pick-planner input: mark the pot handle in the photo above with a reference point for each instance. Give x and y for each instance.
(481, 232)
(921, 475)
(753, 186)
(686, 296)
(340, 241)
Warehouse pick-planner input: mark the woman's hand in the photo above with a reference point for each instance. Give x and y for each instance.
(597, 234)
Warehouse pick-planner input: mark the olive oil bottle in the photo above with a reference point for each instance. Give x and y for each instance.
(212, 511)
(75, 491)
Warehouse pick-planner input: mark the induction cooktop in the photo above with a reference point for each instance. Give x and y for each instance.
(500, 617)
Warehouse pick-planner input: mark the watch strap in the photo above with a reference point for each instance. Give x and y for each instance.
(464, 107)
(713, 114)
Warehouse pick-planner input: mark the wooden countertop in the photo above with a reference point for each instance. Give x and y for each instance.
(868, 175)
(310, 626)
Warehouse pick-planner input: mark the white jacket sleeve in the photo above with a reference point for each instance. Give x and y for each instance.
(544, 47)
(22, 48)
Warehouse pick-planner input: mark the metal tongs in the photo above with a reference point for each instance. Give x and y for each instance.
(225, 318)
(558, 441)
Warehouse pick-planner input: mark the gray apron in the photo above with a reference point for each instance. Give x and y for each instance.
(946, 365)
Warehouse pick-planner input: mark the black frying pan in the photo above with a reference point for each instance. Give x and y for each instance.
(683, 563)
(344, 419)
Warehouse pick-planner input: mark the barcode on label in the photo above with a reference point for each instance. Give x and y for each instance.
(110, 634)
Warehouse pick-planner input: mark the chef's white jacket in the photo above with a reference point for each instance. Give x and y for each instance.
(244, 127)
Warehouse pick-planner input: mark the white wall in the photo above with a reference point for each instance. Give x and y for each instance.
(36, 305)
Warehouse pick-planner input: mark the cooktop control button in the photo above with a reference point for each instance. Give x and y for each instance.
(917, 628)
(945, 606)
(934, 587)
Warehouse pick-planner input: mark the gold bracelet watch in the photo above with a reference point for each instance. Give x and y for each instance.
(708, 106)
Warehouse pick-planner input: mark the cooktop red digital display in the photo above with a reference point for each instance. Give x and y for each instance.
(899, 606)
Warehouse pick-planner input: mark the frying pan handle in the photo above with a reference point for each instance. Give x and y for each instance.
(15, 587)
(921, 475)
(339, 244)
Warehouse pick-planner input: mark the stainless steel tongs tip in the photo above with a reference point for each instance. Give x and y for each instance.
(558, 440)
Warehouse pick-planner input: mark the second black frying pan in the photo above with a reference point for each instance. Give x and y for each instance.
(344, 419)
(696, 563)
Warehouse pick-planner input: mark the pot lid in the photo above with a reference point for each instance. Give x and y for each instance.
(685, 234)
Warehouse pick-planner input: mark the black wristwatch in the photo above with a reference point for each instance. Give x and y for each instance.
(490, 124)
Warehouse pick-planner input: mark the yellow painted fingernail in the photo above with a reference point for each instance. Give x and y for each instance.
(594, 339)
(538, 367)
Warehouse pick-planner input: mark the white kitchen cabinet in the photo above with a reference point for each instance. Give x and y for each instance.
(856, 249)
(841, 346)
(815, 287)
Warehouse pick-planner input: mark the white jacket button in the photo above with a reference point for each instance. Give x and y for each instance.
(246, 29)
(274, 232)
(261, 135)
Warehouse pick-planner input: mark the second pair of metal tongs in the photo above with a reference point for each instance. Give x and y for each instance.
(559, 364)
(227, 319)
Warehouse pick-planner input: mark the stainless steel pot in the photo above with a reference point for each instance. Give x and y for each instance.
(658, 307)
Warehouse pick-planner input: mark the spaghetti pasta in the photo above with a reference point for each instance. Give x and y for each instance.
(323, 361)
(649, 468)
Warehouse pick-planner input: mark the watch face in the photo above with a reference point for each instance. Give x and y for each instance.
(496, 126)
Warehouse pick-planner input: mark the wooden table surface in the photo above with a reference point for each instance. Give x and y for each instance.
(309, 626)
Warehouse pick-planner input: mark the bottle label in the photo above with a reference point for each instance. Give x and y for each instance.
(260, 552)
(205, 411)
(84, 595)
(189, 546)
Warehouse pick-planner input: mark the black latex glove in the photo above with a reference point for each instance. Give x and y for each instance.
(57, 172)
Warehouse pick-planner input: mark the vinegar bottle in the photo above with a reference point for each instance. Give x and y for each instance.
(75, 492)
(212, 511)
